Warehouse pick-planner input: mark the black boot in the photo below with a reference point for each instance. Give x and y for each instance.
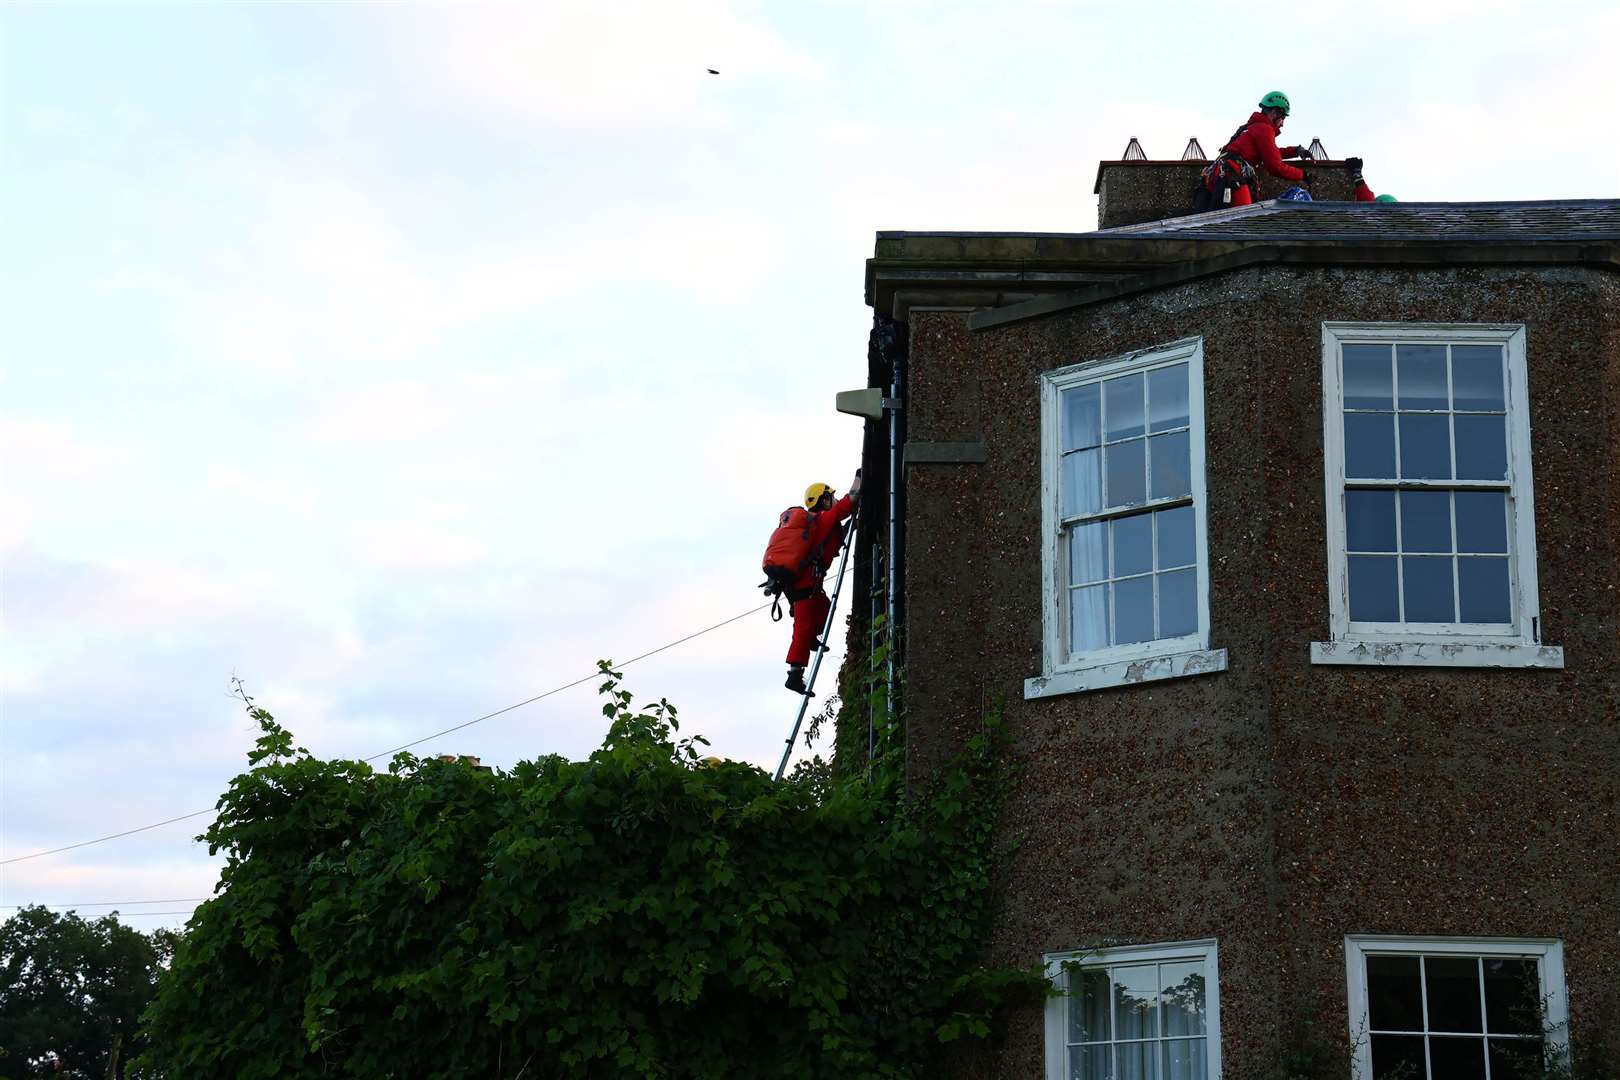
(795, 682)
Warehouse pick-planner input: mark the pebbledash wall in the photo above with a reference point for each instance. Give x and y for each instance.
(1285, 815)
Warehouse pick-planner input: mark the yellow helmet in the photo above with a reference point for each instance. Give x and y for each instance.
(814, 492)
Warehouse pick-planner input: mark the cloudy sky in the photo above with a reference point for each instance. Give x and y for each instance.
(405, 359)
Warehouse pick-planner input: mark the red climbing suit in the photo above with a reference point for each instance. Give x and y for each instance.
(809, 613)
(1256, 143)
(1364, 193)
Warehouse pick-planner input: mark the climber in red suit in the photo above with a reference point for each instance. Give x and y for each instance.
(1255, 146)
(807, 598)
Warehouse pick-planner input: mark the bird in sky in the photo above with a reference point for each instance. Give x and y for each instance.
(711, 71)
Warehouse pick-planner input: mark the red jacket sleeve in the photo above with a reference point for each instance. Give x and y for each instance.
(1364, 193)
(1265, 142)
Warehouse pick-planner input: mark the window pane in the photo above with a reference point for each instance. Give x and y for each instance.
(1136, 1001)
(1426, 521)
(1136, 1061)
(1184, 1060)
(1453, 985)
(1123, 398)
(1517, 1059)
(1456, 1059)
(1082, 417)
(1398, 1057)
(1082, 483)
(1133, 544)
(1482, 521)
(1483, 585)
(1088, 1005)
(1421, 371)
(1133, 610)
(1172, 469)
(1373, 590)
(1167, 398)
(1426, 447)
(1367, 383)
(1394, 993)
(1127, 473)
(1176, 546)
(1370, 520)
(1512, 996)
(1369, 445)
(1183, 996)
(1178, 603)
(1088, 619)
(1427, 589)
(1088, 553)
(1476, 377)
(1090, 1062)
(1481, 447)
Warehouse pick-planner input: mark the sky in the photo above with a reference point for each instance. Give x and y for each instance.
(402, 360)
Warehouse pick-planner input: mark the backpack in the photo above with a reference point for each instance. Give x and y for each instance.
(787, 555)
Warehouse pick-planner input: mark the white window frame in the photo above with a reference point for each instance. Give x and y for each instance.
(1057, 1005)
(1434, 644)
(1548, 952)
(1140, 661)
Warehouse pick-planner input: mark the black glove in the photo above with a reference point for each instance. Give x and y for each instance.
(1301, 152)
(1355, 167)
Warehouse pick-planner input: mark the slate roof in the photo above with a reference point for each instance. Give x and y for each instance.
(1566, 220)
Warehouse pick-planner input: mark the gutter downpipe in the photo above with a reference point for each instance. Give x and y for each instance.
(893, 562)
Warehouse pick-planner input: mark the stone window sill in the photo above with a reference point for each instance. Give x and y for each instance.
(1437, 653)
(1126, 673)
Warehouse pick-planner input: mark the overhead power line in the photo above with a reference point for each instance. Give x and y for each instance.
(109, 903)
(413, 742)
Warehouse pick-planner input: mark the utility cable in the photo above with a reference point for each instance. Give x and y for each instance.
(413, 742)
(110, 903)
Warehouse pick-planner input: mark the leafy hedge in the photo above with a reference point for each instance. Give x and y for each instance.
(646, 912)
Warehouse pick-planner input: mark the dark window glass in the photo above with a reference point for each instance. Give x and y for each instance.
(1177, 528)
(1373, 590)
(1127, 473)
(1367, 382)
(1481, 447)
(1088, 1005)
(1456, 1059)
(1178, 603)
(1517, 1059)
(1453, 985)
(1370, 520)
(1512, 995)
(1172, 468)
(1133, 610)
(1426, 587)
(1092, 1062)
(1394, 993)
(1483, 585)
(1421, 370)
(1426, 446)
(1426, 521)
(1123, 400)
(1369, 445)
(1167, 398)
(1082, 417)
(1397, 1057)
(1133, 544)
(1476, 378)
(1482, 522)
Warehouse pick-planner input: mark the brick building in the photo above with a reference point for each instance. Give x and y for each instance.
(1288, 539)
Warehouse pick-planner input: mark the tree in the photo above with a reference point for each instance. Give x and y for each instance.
(72, 992)
(647, 912)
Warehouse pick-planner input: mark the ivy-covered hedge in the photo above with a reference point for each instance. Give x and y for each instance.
(643, 913)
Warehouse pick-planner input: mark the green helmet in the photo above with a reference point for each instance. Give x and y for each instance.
(1386, 198)
(1275, 100)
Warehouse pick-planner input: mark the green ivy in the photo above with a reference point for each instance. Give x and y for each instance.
(647, 912)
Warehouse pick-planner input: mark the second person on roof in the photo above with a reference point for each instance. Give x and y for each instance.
(1233, 178)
